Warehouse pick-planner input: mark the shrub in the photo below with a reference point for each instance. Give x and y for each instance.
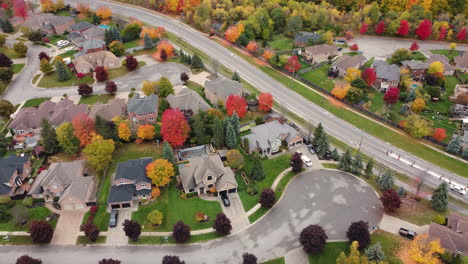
(41, 232)
(181, 232)
(313, 239)
(267, 198)
(155, 217)
(439, 219)
(28, 201)
(5, 216)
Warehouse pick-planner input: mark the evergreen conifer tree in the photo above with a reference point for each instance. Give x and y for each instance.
(49, 137)
(96, 19)
(346, 161)
(218, 132)
(455, 145)
(334, 155)
(167, 152)
(375, 253)
(369, 167)
(148, 42)
(62, 72)
(236, 77)
(323, 145)
(357, 165)
(196, 62)
(439, 198)
(231, 138)
(386, 181)
(235, 123)
(257, 173)
(318, 132)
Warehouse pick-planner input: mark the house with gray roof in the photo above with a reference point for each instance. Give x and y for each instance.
(49, 23)
(418, 69)
(94, 33)
(218, 90)
(319, 53)
(113, 108)
(187, 101)
(81, 26)
(454, 236)
(130, 183)
(86, 63)
(267, 138)
(14, 170)
(71, 182)
(207, 174)
(345, 62)
(142, 110)
(27, 122)
(304, 38)
(448, 68)
(387, 75)
(90, 46)
(65, 111)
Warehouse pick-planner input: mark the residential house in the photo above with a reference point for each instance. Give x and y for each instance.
(461, 62)
(448, 68)
(81, 27)
(218, 90)
(319, 53)
(460, 94)
(142, 110)
(90, 46)
(14, 170)
(269, 137)
(388, 75)
(70, 182)
(345, 62)
(130, 183)
(207, 174)
(65, 111)
(88, 62)
(187, 101)
(113, 108)
(27, 121)
(49, 23)
(306, 38)
(76, 38)
(94, 33)
(454, 236)
(418, 69)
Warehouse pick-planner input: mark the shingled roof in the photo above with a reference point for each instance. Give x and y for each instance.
(142, 105)
(187, 99)
(223, 87)
(8, 166)
(31, 117)
(387, 72)
(113, 108)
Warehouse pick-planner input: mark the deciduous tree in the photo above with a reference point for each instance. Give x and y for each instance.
(313, 239)
(352, 74)
(104, 12)
(423, 250)
(41, 232)
(6, 74)
(403, 30)
(146, 132)
(184, 77)
(20, 49)
(222, 224)
(439, 134)
(111, 87)
(101, 73)
(99, 152)
(439, 198)
(461, 36)
(390, 200)
(155, 217)
(84, 89)
(267, 198)
(293, 64)
(172, 260)
(109, 261)
(391, 96)
(235, 159)
(67, 141)
(131, 63)
(363, 29)
(25, 259)
(6, 108)
(359, 231)
(165, 87)
(131, 31)
(83, 127)
(442, 33)
(354, 47)
(267, 55)
(380, 29)
(117, 47)
(181, 232)
(340, 91)
(233, 32)
(265, 102)
(252, 46)
(19, 8)
(91, 231)
(124, 131)
(248, 258)
(436, 67)
(174, 128)
(369, 76)
(237, 104)
(425, 29)
(414, 46)
(296, 162)
(5, 61)
(132, 229)
(417, 126)
(160, 172)
(354, 256)
(46, 67)
(166, 46)
(418, 105)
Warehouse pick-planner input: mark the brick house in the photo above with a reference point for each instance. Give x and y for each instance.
(113, 108)
(90, 46)
(142, 110)
(188, 101)
(454, 236)
(388, 76)
(130, 183)
(218, 90)
(418, 69)
(14, 170)
(319, 53)
(81, 27)
(86, 63)
(49, 23)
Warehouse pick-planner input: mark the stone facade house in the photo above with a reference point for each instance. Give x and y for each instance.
(130, 183)
(454, 236)
(418, 69)
(113, 108)
(205, 174)
(319, 53)
(305, 38)
(346, 61)
(448, 68)
(14, 171)
(388, 76)
(49, 23)
(461, 62)
(218, 90)
(142, 110)
(28, 120)
(71, 182)
(88, 62)
(268, 138)
(187, 101)
(460, 94)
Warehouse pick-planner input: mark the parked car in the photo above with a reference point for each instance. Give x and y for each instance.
(311, 149)
(407, 233)
(225, 200)
(113, 218)
(306, 160)
(457, 189)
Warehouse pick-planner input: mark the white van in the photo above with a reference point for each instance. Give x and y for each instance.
(306, 160)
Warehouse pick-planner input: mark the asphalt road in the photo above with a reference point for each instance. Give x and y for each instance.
(294, 102)
(331, 199)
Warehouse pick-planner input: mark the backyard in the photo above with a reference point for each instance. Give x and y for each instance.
(281, 42)
(319, 76)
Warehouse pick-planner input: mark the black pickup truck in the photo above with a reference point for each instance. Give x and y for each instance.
(407, 233)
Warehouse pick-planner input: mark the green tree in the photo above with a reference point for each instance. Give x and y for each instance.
(218, 133)
(67, 140)
(318, 133)
(357, 165)
(334, 155)
(167, 152)
(96, 19)
(117, 48)
(165, 87)
(374, 252)
(323, 145)
(235, 123)
(62, 72)
(369, 167)
(106, 129)
(8, 27)
(46, 67)
(200, 131)
(235, 159)
(236, 77)
(2, 40)
(6, 108)
(131, 32)
(48, 137)
(455, 145)
(386, 180)
(345, 161)
(399, 55)
(155, 218)
(6, 74)
(196, 62)
(293, 26)
(99, 153)
(148, 42)
(20, 48)
(439, 198)
(230, 139)
(257, 173)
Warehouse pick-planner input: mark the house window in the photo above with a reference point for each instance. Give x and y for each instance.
(210, 186)
(54, 186)
(209, 178)
(121, 182)
(151, 119)
(143, 185)
(191, 190)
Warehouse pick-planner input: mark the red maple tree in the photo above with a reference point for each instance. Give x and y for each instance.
(439, 134)
(101, 73)
(390, 200)
(363, 29)
(425, 29)
(403, 30)
(354, 47)
(391, 96)
(19, 7)
(369, 76)
(83, 127)
(349, 35)
(265, 102)
(236, 104)
(414, 46)
(442, 32)
(293, 64)
(131, 63)
(462, 34)
(380, 29)
(174, 128)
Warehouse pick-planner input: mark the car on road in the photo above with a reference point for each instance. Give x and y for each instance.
(113, 218)
(307, 161)
(225, 200)
(407, 233)
(457, 189)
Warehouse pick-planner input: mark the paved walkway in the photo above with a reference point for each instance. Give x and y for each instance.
(392, 224)
(296, 256)
(200, 78)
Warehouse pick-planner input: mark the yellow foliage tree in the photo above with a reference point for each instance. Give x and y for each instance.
(59, 5)
(426, 4)
(160, 172)
(355, 256)
(48, 6)
(146, 132)
(453, 46)
(423, 250)
(352, 74)
(328, 37)
(171, 5)
(149, 88)
(340, 91)
(83, 9)
(418, 105)
(436, 67)
(124, 131)
(104, 12)
(99, 152)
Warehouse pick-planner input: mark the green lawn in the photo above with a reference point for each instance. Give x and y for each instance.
(158, 240)
(50, 81)
(275, 261)
(390, 245)
(447, 53)
(419, 213)
(17, 67)
(281, 42)
(416, 55)
(83, 240)
(330, 165)
(368, 63)
(444, 104)
(93, 99)
(330, 253)
(37, 213)
(17, 240)
(464, 77)
(69, 53)
(34, 79)
(132, 44)
(199, 89)
(35, 102)
(9, 52)
(118, 72)
(3, 86)
(319, 76)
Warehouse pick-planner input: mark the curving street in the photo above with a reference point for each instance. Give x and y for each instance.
(332, 199)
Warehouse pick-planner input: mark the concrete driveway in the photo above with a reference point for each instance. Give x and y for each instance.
(68, 227)
(116, 235)
(235, 212)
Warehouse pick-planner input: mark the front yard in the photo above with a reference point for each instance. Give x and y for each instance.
(330, 253)
(121, 71)
(50, 81)
(19, 212)
(93, 99)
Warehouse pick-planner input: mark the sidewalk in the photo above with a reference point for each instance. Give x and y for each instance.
(296, 256)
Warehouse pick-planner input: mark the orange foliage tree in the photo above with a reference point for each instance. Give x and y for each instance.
(265, 102)
(439, 134)
(146, 132)
(104, 12)
(267, 55)
(174, 128)
(167, 47)
(252, 46)
(153, 33)
(160, 172)
(83, 127)
(124, 131)
(234, 32)
(83, 9)
(340, 91)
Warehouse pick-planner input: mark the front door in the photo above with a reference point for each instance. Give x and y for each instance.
(202, 190)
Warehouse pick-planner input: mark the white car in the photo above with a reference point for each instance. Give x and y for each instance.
(457, 189)
(306, 160)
